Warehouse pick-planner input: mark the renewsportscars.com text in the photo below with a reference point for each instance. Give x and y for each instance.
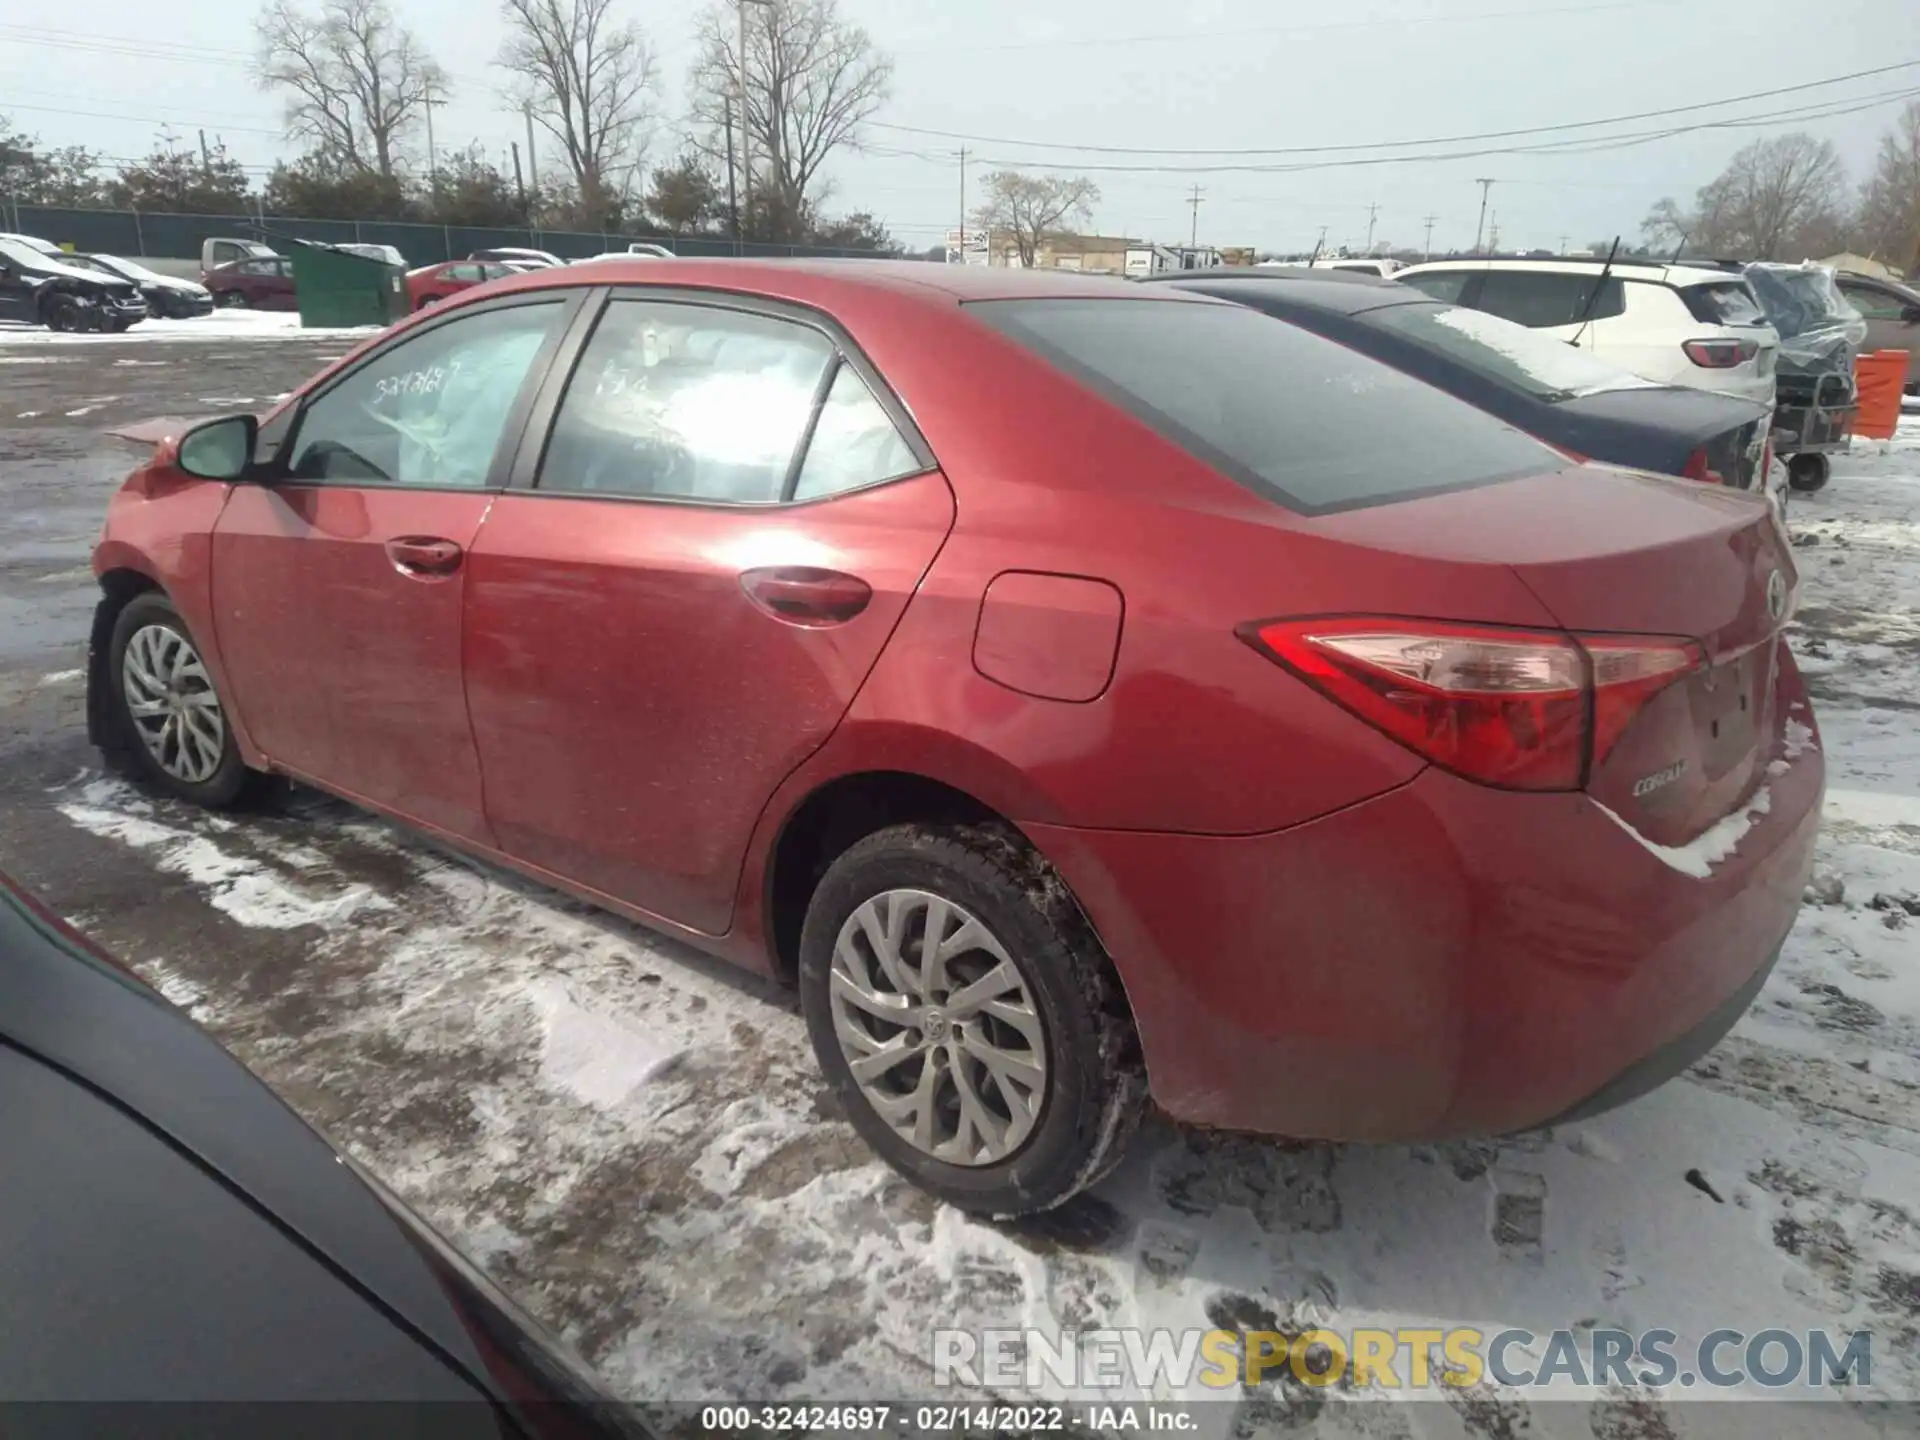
(1406, 1358)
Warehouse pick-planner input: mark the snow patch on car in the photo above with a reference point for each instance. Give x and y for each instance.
(1707, 849)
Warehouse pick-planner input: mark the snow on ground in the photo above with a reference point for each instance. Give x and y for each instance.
(220, 325)
(635, 1140)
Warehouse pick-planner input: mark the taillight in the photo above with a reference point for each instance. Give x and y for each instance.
(1520, 709)
(1697, 468)
(1720, 354)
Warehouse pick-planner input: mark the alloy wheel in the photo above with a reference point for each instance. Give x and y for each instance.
(171, 702)
(938, 1027)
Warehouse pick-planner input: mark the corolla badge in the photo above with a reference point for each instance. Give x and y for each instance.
(1776, 595)
(1647, 784)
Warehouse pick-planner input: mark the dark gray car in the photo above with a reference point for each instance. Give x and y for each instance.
(1892, 313)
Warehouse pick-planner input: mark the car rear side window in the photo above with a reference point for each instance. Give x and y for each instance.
(1294, 417)
(687, 402)
(1723, 303)
(1544, 298)
(853, 444)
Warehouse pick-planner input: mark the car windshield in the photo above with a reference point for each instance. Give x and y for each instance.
(125, 268)
(1545, 368)
(1294, 417)
(18, 254)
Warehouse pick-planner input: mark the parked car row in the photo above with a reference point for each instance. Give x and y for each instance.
(42, 285)
(1082, 691)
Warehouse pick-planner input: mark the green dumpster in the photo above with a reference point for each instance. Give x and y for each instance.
(335, 288)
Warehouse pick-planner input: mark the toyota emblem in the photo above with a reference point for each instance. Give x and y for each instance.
(1777, 595)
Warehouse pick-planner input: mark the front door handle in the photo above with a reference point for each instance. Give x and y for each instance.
(423, 555)
(803, 595)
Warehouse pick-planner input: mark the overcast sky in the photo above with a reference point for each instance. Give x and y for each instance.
(1123, 73)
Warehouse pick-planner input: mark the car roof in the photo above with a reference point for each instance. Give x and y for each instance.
(1340, 292)
(1638, 268)
(923, 278)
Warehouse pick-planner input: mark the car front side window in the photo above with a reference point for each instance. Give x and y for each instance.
(429, 411)
(1872, 304)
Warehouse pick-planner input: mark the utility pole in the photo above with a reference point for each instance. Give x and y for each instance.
(733, 195)
(746, 145)
(1193, 236)
(533, 166)
(519, 185)
(433, 172)
(1479, 230)
(206, 157)
(1493, 235)
(1427, 253)
(963, 207)
(1563, 244)
(1372, 210)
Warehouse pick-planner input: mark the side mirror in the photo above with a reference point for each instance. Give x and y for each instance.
(219, 449)
(1911, 314)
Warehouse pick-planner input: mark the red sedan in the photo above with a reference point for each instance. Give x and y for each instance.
(264, 282)
(433, 283)
(1078, 689)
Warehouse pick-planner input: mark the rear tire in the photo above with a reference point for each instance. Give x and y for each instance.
(173, 724)
(1808, 473)
(1037, 1082)
(62, 313)
(232, 300)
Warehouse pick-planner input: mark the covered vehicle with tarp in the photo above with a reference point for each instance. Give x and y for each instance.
(1820, 335)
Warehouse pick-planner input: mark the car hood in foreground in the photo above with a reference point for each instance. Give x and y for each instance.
(64, 1002)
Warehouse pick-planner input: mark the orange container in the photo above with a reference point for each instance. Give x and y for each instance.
(1879, 377)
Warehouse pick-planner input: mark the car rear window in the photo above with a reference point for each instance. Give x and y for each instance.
(1294, 417)
(1545, 368)
(1723, 303)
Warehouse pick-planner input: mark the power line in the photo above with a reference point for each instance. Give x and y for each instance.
(1395, 22)
(1750, 96)
(1585, 145)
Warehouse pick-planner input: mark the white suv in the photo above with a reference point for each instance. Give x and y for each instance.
(1677, 324)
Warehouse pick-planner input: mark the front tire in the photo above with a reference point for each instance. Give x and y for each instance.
(998, 1069)
(173, 722)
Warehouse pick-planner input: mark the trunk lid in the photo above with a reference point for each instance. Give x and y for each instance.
(1616, 552)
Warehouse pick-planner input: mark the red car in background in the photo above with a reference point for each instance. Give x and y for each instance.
(1077, 688)
(263, 282)
(432, 283)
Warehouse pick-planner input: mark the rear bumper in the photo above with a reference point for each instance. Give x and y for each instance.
(1650, 1072)
(1441, 960)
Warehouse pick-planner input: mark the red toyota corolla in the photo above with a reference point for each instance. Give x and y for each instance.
(431, 284)
(1080, 691)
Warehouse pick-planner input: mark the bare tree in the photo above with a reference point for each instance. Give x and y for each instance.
(589, 80)
(1032, 207)
(356, 80)
(1778, 198)
(1889, 219)
(813, 80)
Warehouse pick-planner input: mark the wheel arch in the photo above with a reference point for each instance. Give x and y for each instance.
(832, 817)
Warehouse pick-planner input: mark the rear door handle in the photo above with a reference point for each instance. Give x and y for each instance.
(423, 555)
(803, 595)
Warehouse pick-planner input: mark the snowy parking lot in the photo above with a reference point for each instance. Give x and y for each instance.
(636, 1143)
